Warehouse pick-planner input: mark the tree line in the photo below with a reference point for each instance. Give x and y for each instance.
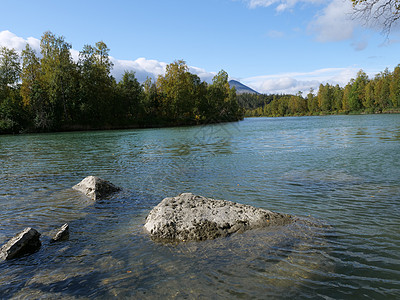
(360, 95)
(49, 91)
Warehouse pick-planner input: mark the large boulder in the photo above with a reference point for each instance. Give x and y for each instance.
(25, 242)
(190, 217)
(96, 188)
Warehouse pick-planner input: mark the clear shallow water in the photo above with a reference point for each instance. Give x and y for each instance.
(340, 172)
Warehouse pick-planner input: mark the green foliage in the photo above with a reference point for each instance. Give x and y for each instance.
(30, 75)
(12, 114)
(96, 86)
(127, 108)
(312, 102)
(10, 68)
(357, 93)
(57, 78)
(395, 87)
(177, 87)
(184, 99)
(337, 98)
(325, 97)
(382, 89)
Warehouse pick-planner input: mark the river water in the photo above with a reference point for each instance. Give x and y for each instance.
(341, 174)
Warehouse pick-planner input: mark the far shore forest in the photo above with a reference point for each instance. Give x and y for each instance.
(49, 91)
(361, 95)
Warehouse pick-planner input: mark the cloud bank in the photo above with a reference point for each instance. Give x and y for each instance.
(144, 68)
(10, 40)
(291, 83)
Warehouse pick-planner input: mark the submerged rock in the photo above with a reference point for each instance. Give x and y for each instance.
(25, 242)
(191, 217)
(62, 234)
(96, 188)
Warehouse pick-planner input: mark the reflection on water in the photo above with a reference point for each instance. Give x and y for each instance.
(339, 173)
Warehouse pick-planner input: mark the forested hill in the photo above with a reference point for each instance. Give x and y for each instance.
(51, 92)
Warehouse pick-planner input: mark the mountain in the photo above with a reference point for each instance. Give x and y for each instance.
(241, 88)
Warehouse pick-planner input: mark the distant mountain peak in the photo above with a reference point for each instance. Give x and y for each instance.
(241, 88)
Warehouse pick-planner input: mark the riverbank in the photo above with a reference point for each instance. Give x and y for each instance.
(251, 114)
(78, 127)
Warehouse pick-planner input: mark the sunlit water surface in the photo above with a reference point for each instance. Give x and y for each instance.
(340, 173)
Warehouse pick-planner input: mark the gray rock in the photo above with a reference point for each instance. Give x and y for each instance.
(25, 242)
(191, 217)
(62, 234)
(96, 188)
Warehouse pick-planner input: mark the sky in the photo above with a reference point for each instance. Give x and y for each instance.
(273, 46)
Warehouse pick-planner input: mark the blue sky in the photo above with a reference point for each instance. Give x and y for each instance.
(274, 46)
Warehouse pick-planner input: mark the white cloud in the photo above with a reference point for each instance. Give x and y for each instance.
(281, 5)
(337, 22)
(291, 83)
(74, 54)
(143, 68)
(334, 22)
(10, 40)
(203, 74)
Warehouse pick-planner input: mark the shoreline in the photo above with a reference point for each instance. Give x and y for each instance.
(88, 128)
(350, 113)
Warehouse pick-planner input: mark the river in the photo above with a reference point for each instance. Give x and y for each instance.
(340, 173)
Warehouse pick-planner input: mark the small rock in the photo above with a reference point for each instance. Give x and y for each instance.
(96, 188)
(190, 217)
(62, 234)
(25, 242)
